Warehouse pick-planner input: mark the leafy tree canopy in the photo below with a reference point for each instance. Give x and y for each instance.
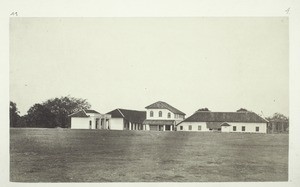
(54, 112)
(64, 106)
(40, 116)
(13, 114)
(278, 117)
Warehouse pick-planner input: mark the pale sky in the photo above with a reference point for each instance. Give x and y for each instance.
(219, 63)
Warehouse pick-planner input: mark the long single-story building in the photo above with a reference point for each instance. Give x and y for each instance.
(245, 122)
(90, 119)
(124, 119)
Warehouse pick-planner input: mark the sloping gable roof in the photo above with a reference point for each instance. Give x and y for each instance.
(225, 124)
(133, 116)
(164, 105)
(92, 111)
(247, 117)
(83, 113)
(80, 113)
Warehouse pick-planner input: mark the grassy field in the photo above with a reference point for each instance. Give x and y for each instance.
(65, 155)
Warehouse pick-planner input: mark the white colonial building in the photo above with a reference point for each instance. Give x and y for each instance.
(90, 119)
(124, 119)
(244, 122)
(162, 117)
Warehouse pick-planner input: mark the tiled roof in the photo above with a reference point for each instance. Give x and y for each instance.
(92, 111)
(133, 116)
(80, 113)
(164, 105)
(213, 125)
(247, 117)
(159, 122)
(83, 113)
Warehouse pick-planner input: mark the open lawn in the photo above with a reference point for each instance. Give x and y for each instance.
(65, 155)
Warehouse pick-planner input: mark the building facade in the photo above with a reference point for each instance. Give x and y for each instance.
(161, 116)
(90, 119)
(243, 122)
(124, 119)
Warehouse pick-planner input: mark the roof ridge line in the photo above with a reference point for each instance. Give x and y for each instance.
(132, 110)
(84, 111)
(74, 113)
(121, 112)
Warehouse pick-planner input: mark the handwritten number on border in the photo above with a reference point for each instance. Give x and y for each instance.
(14, 14)
(287, 10)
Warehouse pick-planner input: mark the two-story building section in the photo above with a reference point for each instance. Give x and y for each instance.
(161, 116)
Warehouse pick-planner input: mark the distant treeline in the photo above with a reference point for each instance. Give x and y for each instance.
(49, 114)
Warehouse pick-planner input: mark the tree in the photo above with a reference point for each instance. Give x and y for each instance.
(64, 106)
(278, 117)
(40, 116)
(203, 109)
(278, 123)
(13, 114)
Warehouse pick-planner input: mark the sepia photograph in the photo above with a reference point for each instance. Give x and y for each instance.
(148, 99)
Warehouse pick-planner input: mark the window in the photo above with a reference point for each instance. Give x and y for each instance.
(90, 124)
(169, 115)
(234, 128)
(151, 113)
(160, 114)
(199, 127)
(190, 127)
(168, 127)
(257, 129)
(243, 128)
(181, 128)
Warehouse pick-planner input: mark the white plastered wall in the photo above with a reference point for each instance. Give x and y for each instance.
(185, 126)
(116, 124)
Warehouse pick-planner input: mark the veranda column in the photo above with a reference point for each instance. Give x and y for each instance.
(129, 125)
(171, 128)
(104, 123)
(108, 124)
(101, 123)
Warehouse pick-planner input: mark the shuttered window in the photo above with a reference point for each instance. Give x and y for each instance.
(160, 113)
(151, 113)
(169, 115)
